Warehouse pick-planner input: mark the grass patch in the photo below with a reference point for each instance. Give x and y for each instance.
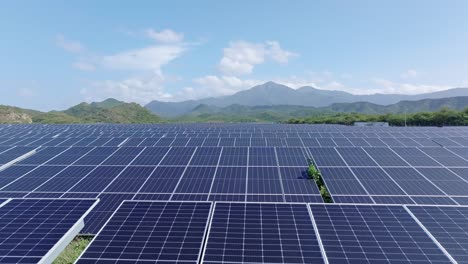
(314, 174)
(73, 250)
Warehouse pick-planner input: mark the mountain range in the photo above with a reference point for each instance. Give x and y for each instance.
(107, 111)
(269, 102)
(270, 94)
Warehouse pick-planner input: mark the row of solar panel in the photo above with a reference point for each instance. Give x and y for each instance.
(238, 141)
(35, 230)
(243, 156)
(192, 232)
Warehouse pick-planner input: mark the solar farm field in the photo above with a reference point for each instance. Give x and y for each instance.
(235, 193)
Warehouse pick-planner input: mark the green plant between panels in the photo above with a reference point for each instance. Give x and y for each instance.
(73, 250)
(314, 174)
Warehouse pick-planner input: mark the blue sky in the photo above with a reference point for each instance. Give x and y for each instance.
(58, 53)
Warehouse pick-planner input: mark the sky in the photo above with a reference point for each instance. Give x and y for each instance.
(55, 54)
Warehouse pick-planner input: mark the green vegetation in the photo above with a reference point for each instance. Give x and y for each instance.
(108, 111)
(315, 174)
(448, 111)
(73, 250)
(443, 117)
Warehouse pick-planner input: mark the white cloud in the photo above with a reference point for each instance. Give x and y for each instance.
(274, 50)
(140, 89)
(145, 59)
(241, 56)
(389, 87)
(212, 85)
(69, 45)
(84, 66)
(410, 74)
(165, 36)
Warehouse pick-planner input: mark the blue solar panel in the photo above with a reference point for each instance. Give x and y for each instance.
(352, 199)
(449, 227)
(373, 234)
(415, 157)
(446, 180)
(265, 156)
(178, 156)
(445, 157)
(356, 157)
(159, 232)
(261, 233)
(123, 156)
(341, 181)
(42, 155)
(130, 180)
(433, 200)
(30, 228)
(326, 157)
(33, 179)
(377, 182)
(392, 200)
(385, 156)
(65, 179)
(412, 182)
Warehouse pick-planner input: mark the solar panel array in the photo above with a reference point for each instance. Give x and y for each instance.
(239, 166)
(31, 228)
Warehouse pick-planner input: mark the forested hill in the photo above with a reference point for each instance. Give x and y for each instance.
(107, 111)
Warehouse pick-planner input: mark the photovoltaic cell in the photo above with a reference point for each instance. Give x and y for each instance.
(157, 232)
(261, 233)
(32, 227)
(341, 181)
(448, 224)
(373, 234)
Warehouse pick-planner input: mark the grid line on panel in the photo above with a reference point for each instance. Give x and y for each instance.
(125, 167)
(78, 182)
(391, 178)
(448, 225)
(279, 174)
(354, 175)
(152, 231)
(430, 234)
(215, 172)
(247, 175)
(373, 234)
(32, 227)
(183, 173)
(261, 233)
(147, 178)
(34, 169)
(414, 168)
(52, 178)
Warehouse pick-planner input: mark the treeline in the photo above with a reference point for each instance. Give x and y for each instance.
(443, 117)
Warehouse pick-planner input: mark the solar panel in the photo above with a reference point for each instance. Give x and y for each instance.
(373, 234)
(326, 157)
(445, 157)
(412, 182)
(352, 199)
(159, 232)
(448, 225)
(36, 230)
(385, 156)
(261, 233)
(377, 182)
(415, 157)
(392, 200)
(356, 157)
(341, 181)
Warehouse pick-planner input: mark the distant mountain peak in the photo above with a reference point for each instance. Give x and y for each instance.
(108, 103)
(272, 93)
